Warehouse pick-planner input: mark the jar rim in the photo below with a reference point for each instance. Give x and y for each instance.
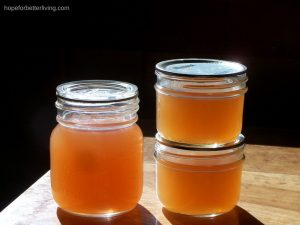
(96, 91)
(200, 68)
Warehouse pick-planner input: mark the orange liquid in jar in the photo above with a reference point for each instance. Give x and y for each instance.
(198, 190)
(199, 120)
(97, 172)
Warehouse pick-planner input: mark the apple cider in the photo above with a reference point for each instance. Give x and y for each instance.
(97, 148)
(200, 101)
(198, 182)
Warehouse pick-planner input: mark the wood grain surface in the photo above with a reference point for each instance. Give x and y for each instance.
(270, 195)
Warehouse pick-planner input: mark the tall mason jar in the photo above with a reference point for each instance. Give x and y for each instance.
(202, 182)
(97, 148)
(200, 101)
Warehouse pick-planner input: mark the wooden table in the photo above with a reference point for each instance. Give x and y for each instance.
(270, 195)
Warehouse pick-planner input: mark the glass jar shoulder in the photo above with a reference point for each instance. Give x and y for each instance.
(63, 133)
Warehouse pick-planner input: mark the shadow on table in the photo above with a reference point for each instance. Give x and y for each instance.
(138, 216)
(237, 216)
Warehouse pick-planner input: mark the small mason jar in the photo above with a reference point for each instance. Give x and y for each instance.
(198, 181)
(200, 101)
(97, 148)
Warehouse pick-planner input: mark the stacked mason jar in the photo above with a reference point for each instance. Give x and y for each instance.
(199, 145)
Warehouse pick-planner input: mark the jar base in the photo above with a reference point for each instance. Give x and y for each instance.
(207, 215)
(95, 215)
(186, 144)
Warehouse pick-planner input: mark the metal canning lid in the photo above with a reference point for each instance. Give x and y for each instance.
(195, 147)
(195, 67)
(97, 91)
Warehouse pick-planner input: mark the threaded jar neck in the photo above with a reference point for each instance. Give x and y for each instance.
(97, 104)
(189, 154)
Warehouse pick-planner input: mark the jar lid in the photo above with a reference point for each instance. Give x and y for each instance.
(97, 91)
(200, 68)
(196, 147)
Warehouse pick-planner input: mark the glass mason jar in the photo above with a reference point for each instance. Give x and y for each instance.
(97, 148)
(198, 181)
(200, 101)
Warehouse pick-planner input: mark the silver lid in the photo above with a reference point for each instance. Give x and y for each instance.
(196, 67)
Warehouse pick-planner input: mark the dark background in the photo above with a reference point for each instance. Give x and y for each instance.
(123, 41)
